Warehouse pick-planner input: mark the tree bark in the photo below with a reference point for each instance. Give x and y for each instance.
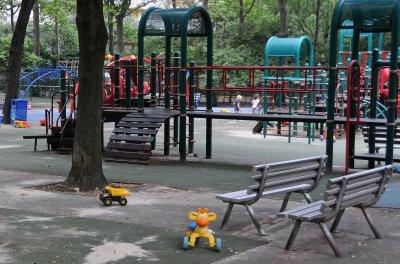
(110, 21)
(12, 16)
(15, 57)
(283, 18)
(120, 33)
(241, 11)
(57, 39)
(317, 26)
(36, 28)
(86, 171)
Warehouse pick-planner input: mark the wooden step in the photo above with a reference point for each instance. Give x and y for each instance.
(128, 161)
(129, 138)
(143, 120)
(128, 155)
(129, 146)
(138, 125)
(129, 131)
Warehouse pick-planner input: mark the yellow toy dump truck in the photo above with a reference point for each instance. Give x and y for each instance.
(114, 192)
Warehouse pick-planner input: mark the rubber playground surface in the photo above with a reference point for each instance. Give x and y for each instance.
(48, 227)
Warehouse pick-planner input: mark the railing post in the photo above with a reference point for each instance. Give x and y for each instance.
(153, 79)
(373, 103)
(128, 103)
(63, 94)
(191, 106)
(167, 99)
(176, 63)
(117, 84)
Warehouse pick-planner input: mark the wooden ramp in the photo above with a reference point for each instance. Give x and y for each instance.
(133, 138)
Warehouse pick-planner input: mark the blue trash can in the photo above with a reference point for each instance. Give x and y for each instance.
(19, 110)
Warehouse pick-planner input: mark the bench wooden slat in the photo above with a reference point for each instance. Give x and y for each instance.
(283, 182)
(242, 196)
(288, 173)
(307, 208)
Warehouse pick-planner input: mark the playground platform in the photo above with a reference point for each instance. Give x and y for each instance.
(284, 117)
(113, 114)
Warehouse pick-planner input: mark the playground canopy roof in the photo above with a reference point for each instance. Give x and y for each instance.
(367, 15)
(177, 22)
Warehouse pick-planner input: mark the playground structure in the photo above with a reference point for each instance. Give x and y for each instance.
(333, 96)
(285, 52)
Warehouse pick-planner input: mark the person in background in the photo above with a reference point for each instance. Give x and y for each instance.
(236, 104)
(255, 104)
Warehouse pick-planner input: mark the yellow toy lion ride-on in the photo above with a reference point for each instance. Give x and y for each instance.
(114, 192)
(199, 229)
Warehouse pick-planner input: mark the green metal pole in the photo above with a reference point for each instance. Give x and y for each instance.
(63, 95)
(352, 103)
(208, 94)
(373, 103)
(191, 106)
(393, 85)
(182, 97)
(140, 65)
(128, 103)
(117, 84)
(175, 63)
(331, 91)
(167, 99)
(153, 79)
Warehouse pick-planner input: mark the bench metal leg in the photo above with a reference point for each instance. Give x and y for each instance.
(285, 202)
(34, 148)
(227, 214)
(255, 221)
(337, 221)
(293, 234)
(330, 239)
(371, 225)
(308, 197)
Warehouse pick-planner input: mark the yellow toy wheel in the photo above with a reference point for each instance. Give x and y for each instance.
(123, 201)
(107, 201)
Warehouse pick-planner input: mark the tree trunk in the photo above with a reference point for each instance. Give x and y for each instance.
(15, 57)
(120, 33)
(241, 11)
(12, 16)
(283, 18)
(317, 26)
(57, 39)
(86, 171)
(174, 3)
(110, 20)
(36, 28)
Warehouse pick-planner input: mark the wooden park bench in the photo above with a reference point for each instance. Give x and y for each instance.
(360, 190)
(36, 137)
(295, 176)
(380, 135)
